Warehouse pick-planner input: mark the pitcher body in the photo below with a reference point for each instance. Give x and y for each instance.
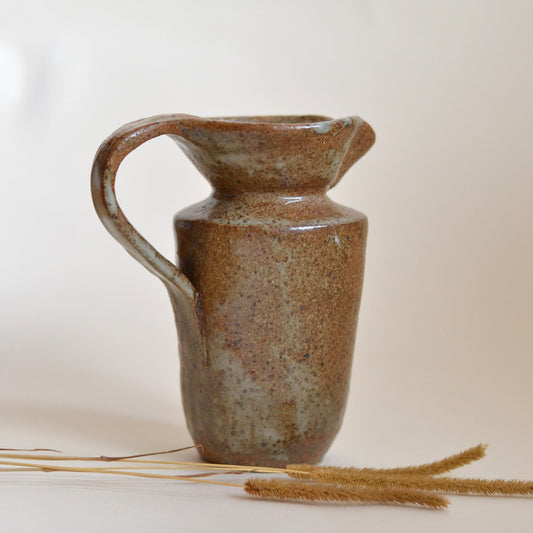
(279, 306)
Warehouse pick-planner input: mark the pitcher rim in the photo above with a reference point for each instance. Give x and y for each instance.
(320, 124)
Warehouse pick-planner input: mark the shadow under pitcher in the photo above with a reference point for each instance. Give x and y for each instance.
(268, 280)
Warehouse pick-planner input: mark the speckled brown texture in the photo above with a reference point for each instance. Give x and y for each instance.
(269, 282)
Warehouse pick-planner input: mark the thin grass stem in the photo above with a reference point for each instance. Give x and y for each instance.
(203, 466)
(48, 468)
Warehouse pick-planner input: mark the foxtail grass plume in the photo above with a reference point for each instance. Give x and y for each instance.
(338, 474)
(450, 485)
(286, 489)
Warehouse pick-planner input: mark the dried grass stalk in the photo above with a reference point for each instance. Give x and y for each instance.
(53, 468)
(222, 468)
(104, 458)
(450, 485)
(349, 477)
(283, 489)
(30, 450)
(126, 457)
(337, 474)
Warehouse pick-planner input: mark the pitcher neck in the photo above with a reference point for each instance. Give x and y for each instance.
(289, 195)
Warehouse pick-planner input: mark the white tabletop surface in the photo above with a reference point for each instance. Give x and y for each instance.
(386, 433)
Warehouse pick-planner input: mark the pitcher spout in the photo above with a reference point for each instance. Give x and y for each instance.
(362, 140)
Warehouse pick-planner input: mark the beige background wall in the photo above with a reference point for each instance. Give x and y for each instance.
(444, 351)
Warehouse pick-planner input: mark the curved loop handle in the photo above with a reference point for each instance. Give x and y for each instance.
(107, 160)
(114, 149)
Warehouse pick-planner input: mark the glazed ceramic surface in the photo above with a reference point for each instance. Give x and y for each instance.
(268, 280)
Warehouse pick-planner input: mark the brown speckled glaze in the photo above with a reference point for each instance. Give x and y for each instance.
(268, 284)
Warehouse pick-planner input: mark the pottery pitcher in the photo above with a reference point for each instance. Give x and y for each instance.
(268, 280)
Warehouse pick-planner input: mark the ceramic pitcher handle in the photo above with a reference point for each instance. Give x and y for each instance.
(108, 158)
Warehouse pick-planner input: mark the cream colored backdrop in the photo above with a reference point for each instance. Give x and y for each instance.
(445, 341)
